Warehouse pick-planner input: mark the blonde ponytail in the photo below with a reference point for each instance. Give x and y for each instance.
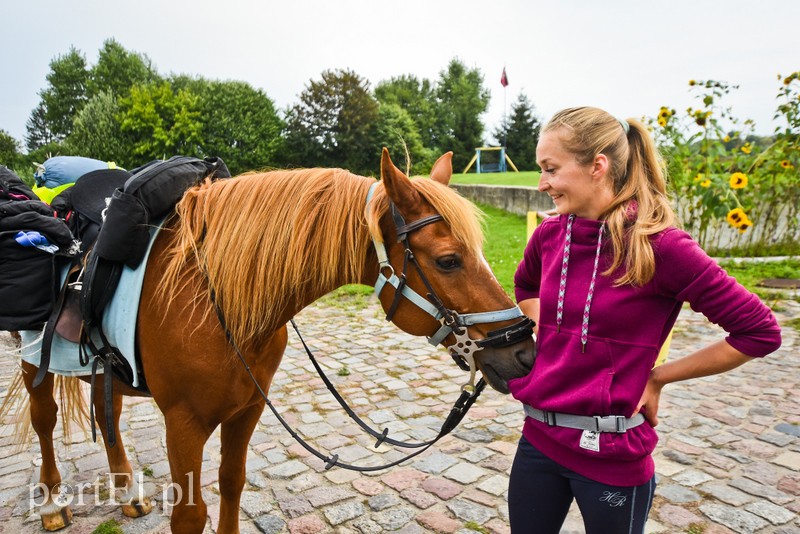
(640, 208)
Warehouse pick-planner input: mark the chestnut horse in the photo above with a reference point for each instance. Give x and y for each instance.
(253, 251)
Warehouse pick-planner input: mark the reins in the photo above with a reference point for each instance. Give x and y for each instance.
(383, 437)
(457, 413)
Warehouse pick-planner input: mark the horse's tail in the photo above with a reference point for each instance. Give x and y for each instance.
(71, 399)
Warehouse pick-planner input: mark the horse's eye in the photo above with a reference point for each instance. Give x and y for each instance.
(448, 263)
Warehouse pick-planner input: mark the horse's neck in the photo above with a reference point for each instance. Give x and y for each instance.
(369, 277)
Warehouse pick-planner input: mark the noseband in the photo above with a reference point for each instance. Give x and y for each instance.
(464, 348)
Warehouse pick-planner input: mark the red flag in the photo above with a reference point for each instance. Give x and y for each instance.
(504, 78)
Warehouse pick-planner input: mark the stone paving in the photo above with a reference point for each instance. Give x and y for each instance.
(728, 458)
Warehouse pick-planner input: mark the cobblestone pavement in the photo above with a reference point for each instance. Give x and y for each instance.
(728, 458)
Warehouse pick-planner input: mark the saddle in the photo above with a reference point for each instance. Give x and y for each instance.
(110, 211)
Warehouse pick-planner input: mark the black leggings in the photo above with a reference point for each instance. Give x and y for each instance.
(540, 492)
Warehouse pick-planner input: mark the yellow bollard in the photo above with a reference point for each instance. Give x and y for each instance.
(533, 222)
(662, 354)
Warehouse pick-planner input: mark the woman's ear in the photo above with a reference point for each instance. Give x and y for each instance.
(600, 167)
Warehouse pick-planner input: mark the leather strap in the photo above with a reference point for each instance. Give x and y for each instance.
(50, 326)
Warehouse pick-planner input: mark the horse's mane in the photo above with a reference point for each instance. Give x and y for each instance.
(265, 240)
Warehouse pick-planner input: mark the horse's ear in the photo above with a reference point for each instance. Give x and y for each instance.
(442, 170)
(398, 186)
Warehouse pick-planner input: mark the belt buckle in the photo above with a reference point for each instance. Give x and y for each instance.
(549, 418)
(610, 423)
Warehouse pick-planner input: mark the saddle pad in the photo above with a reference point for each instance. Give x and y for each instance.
(119, 324)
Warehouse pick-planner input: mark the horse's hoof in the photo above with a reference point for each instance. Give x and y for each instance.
(55, 517)
(138, 509)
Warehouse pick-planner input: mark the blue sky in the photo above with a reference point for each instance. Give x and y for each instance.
(627, 56)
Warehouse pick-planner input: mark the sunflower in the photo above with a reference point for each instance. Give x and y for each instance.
(736, 217)
(744, 225)
(662, 122)
(692, 82)
(700, 177)
(786, 164)
(705, 183)
(726, 139)
(747, 148)
(738, 180)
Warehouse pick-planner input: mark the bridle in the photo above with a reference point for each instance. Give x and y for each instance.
(464, 347)
(462, 350)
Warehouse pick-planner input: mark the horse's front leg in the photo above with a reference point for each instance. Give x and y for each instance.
(235, 437)
(126, 491)
(44, 416)
(237, 430)
(236, 433)
(186, 437)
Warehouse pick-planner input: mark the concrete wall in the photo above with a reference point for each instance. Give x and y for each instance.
(519, 200)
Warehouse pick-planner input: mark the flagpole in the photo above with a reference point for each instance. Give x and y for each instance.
(505, 123)
(504, 83)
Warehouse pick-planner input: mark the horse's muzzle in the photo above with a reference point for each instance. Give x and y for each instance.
(501, 364)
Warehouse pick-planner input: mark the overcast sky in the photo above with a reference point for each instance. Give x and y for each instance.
(627, 56)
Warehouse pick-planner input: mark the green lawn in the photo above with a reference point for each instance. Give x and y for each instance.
(527, 178)
(751, 273)
(506, 237)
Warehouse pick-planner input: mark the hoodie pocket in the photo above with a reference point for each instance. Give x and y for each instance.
(565, 379)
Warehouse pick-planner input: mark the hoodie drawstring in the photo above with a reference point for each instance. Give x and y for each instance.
(562, 286)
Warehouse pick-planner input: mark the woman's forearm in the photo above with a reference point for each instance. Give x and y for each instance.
(530, 307)
(713, 359)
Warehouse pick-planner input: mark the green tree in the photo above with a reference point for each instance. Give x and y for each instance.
(334, 124)
(239, 124)
(96, 132)
(417, 98)
(117, 70)
(520, 133)
(63, 97)
(37, 130)
(9, 150)
(462, 99)
(398, 132)
(161, 122)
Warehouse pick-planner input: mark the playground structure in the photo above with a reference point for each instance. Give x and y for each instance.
(500, 166)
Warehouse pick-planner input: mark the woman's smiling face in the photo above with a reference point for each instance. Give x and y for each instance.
(574, 188)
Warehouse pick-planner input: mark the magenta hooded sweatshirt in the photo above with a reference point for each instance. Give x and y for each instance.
(626, 328)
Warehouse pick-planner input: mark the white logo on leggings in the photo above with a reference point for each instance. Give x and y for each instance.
(613, 499)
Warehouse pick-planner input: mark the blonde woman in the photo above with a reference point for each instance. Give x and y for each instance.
(605, 280)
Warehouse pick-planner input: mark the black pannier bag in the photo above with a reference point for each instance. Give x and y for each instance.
(147, 196)
(83, 204)
(28, 275)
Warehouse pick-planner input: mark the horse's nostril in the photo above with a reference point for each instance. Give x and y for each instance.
(525, 358)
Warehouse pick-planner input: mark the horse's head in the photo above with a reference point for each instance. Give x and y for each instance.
(434, 280)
